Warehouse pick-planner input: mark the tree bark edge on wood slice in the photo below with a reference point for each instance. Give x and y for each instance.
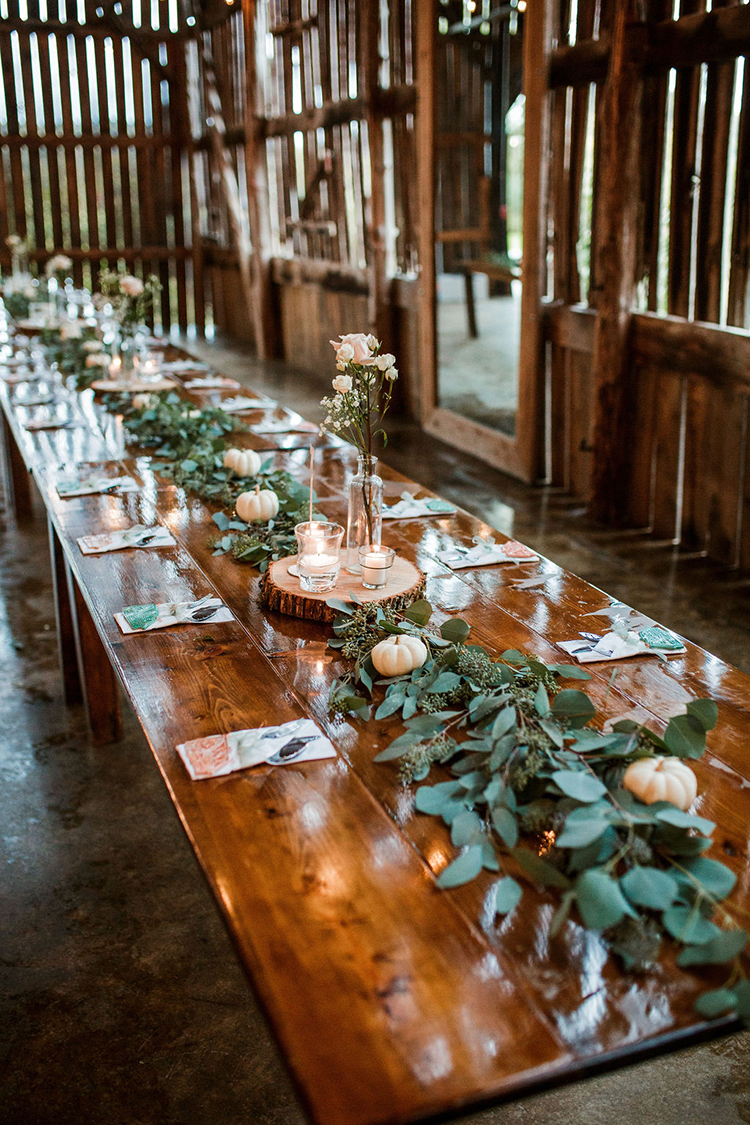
(281, 591)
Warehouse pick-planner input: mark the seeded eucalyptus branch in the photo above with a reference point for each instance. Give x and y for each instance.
(530, 789)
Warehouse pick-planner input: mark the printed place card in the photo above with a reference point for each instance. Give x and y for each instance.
(219, 754)
(145, 618)
(138, 536)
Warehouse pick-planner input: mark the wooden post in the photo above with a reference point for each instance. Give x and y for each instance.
(227, 176)
(265, 319)
(96, 672)
(426, 30)
(530, 419)
(617, 215)
(16, 477)
(72, 687)
(378, 305)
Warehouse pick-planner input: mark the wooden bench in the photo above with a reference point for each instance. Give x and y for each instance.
(391, 999)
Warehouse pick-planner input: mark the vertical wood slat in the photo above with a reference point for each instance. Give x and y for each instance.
(71, 174)
(682, 198)
(32, 130)
(740, 252)
(715, 152)
(53, 168)
(16, 168)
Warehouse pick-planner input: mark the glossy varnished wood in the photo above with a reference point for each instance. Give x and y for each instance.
(392, 1000)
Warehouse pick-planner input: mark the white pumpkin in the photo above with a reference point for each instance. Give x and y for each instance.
(398, 654)
(245, 462)
(662, 779)
(262, 504)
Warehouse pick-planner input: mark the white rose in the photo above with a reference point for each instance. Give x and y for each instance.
(383, 362)
(72, 331)
(92, 346)
(392, 374)
(372, 343)
(342, 384)
(131, 286)
(346, 353)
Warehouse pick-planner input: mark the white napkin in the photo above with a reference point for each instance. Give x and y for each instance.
(209, 382)
(220, 754)
(178, 365)
(178, 613)
(89, 486)
(238, 404)
(615, 646)
(408, 507)
(487, 553)
(52, 424)
(280, 426)
(120, 540)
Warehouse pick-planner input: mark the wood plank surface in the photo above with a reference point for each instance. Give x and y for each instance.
(324, 871)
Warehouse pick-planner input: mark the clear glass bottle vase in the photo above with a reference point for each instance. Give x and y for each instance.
(365, 510)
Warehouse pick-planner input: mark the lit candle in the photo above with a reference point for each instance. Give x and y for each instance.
(115, 367)
(319, 563)
(318, 545)
(375, 562)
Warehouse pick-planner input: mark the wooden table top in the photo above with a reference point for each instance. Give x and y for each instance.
(392, 1000)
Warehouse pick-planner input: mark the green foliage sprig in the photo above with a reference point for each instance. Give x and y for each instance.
(533, 791)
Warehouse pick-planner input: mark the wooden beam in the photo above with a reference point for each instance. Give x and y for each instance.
(380, 320)
(702, 37)
(617, 230)
(320, 117)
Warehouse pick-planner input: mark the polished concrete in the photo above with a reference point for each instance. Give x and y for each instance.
(122, 1001)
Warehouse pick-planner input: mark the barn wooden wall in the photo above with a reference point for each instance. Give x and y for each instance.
(658, 439)
(94, 142)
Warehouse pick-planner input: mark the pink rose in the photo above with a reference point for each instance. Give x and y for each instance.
(358, 342)
(131, 286)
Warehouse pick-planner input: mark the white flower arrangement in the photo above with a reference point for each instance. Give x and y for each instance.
(58, 266)
(363, 390)
(130, 298)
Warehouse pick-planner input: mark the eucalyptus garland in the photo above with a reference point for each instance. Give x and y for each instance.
(531, 790)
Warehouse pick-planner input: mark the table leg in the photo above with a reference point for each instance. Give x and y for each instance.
(471, 312)
(16, 477)
(96, 672)
(66, 639)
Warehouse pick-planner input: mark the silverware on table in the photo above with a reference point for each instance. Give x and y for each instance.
(291, 750)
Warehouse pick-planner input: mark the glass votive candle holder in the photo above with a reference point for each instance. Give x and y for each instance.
(375, 564)
(318, 555)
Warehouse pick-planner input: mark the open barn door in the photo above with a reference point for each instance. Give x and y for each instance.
(483, 138)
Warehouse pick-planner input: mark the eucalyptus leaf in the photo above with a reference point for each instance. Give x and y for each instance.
(649, 887)
(573, 705)
(570, 671)
(680, 819)
(466, 828)
(581, 832)
(505, 825)
(455, 630)
(727, 945)
(504, 722)
(507, 893)
(687, 924)
(685, 736)
(541, 870)
(463, 869)
(705, 711)
(339, 605)
(717, 1002)
(716, 878)
(419, 612)
(600, 901)
(579, 785)
(541, 701)
(445, 682)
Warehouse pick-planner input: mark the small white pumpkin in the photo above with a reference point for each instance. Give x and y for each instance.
(662, 779)
(245, 462)
(262, 504)
(398, 654)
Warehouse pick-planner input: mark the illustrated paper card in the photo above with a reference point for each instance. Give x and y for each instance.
(408, 507)
(298, 741)
(486, 552)
(622, 643)
(89, 486)
(282, 426)
(178, 366)
(137, 536)
(144, 618)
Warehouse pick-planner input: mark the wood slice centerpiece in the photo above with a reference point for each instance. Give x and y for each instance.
(281, 590)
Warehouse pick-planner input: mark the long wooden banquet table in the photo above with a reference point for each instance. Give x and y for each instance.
(392, 1000)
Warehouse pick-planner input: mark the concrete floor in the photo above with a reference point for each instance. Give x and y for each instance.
(122, 1002)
